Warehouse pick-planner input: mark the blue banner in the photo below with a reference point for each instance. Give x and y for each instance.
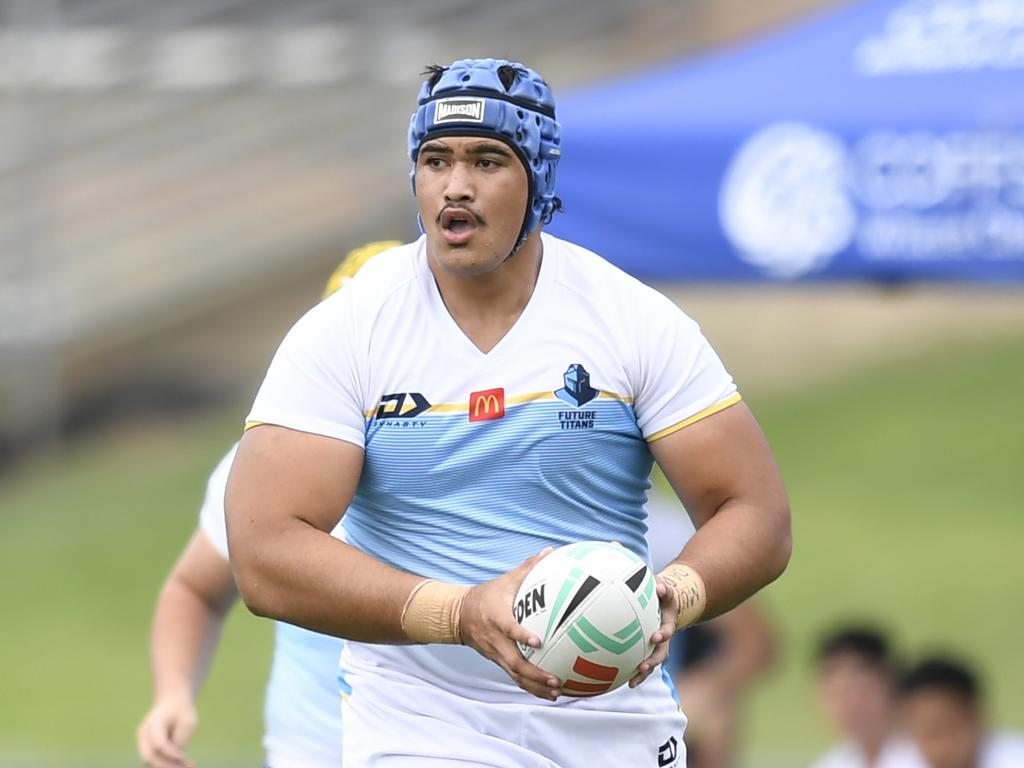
(883, 141)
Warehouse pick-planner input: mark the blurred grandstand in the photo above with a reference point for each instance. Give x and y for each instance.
(177, 177)
(180, 177)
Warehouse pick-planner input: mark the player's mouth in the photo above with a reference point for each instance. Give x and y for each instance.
(458, 225)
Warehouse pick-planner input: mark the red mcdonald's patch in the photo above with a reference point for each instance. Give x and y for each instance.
(487, 405)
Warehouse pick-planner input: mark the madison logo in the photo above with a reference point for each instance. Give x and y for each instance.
(487, 405)
(459, 111)
(577, 390)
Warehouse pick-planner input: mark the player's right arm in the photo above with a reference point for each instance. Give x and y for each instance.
(296, 471)
(286, 492)
(187, 622)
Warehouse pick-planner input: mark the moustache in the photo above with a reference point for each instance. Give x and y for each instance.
(479, 219)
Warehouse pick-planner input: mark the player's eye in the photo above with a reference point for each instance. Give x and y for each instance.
(433, 162)
(487, 162)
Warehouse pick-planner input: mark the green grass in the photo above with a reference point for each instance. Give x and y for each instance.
(906, 487)
(86, 539)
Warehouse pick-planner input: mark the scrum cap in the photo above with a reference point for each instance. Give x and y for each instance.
(471, 98)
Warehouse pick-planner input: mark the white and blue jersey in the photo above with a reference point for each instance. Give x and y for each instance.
(475, 461)
(302, 709)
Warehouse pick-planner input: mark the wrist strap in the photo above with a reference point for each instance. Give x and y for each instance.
(431, 612)
(691, 594)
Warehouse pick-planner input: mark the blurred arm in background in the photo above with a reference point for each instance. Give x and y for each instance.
(190, 613)
(712, 688)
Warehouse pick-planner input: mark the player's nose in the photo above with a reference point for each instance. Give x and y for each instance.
(460, 183)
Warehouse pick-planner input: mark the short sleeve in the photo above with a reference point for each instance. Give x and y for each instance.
(313, 383)
(682, 379)
(211, 514)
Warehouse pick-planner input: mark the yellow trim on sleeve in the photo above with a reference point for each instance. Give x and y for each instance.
(250, 424)
(721, 406)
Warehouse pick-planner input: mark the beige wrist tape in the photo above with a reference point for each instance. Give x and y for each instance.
(431, 613)
(691, 595)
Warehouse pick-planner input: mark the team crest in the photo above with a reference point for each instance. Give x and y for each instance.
(577, 390)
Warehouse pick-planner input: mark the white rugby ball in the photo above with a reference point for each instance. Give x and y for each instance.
(594, 607)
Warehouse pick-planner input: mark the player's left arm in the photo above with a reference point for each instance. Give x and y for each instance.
(725, 474)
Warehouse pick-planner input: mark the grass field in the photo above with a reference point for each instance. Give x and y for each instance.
(906, 486)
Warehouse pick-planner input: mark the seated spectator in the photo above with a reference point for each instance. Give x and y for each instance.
(858, 682)
(713, 664)
(943, 712)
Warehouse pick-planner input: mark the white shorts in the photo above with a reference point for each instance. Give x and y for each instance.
(392, 719)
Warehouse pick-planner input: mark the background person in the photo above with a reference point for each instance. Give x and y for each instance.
(857, 680)
(302, 712)
(723, 659)
(715, 663)
(943, 711)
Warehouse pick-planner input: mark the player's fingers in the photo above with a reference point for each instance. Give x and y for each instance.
(519, 670)
(669, 615)
(542, 689)
(528, 563)
(522, 668)
(156, 750)
(662, 640)
(183, 728)
(161, 749)
(648, 665)
(515, 631)
(667, 628)
(167, 754)
(146, 738)
(529, 676)
(638, 678)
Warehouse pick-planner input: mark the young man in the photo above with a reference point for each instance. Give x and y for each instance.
(472, 399)
(302, 714)
(942, 709)
(857, 690)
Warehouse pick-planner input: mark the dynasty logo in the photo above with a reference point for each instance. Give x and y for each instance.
(400, 409)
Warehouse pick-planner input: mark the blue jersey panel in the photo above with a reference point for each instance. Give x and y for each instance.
(439, 493)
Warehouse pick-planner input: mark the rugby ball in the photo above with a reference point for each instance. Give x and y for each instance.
(594, 607)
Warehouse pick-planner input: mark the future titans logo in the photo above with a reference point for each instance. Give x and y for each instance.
(577, 390)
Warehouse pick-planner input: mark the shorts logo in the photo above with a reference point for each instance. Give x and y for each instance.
(394, 406)
(487, 405)
(577, 390)
(668, 752)
(459, 111)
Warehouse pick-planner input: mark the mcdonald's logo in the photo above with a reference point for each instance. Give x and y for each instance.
(487, 405)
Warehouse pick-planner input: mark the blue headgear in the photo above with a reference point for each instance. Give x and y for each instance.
(469, 99)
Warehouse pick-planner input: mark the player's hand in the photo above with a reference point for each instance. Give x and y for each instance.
(165, 732)
(662, 637)
(488, 626)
